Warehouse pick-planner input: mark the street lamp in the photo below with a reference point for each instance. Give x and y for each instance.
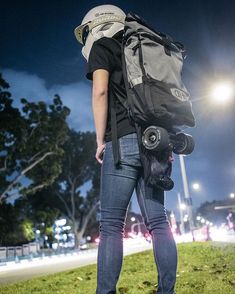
(188, 199)
(223, 92)
(136, 225)
(182, 207)
(232, 195)
(196, 186)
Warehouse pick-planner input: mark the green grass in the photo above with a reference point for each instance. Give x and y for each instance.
(203, 268)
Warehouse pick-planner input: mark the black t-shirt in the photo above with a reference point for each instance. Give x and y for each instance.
(106, 54)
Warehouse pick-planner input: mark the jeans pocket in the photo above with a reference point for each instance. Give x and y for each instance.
(129, 150)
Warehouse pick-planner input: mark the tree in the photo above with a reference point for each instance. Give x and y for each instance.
(31, 143)
(15, 227)
(79, 168)
(40, 210)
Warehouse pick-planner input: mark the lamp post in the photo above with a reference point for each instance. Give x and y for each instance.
(182, 207)
(138, 225)
(221, 93)
(187, 197)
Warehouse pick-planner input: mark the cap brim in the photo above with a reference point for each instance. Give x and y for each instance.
(78, 32)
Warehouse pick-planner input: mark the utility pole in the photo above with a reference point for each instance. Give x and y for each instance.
(188, 199)
(181, 214)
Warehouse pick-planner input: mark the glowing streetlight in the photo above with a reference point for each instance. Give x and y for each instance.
(223, 92)
(196, 186)
(232, 195)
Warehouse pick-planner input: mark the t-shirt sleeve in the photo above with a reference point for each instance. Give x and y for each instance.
(100, 57)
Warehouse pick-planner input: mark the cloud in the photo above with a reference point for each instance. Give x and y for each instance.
(23, 84)
(76, 96)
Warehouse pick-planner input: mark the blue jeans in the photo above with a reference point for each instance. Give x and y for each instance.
(117, 186)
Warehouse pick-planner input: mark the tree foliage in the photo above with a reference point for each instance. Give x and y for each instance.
(66, 196)
(42, 159)
(15, 227)
(40, 209)
(79, 168)
(31, 141)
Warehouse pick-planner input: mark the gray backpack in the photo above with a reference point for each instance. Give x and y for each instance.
(156, 97)
(152, 64)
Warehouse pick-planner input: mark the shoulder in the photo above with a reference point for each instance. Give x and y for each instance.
(105, 43)
(102, 56)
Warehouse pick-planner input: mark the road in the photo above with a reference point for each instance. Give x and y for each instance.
(25, 270)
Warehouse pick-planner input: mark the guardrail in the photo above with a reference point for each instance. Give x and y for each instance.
(40, 255)
(17, 252)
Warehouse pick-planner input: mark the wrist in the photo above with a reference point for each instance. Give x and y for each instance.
(100, 142)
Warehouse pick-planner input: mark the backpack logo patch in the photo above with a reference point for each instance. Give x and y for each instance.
(179, 94)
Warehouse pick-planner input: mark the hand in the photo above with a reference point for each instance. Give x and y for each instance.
(99, 153)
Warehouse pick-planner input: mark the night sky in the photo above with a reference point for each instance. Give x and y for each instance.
(40, 57)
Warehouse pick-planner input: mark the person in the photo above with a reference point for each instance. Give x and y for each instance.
(101, 33)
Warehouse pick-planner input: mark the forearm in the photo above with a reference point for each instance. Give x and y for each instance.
(100, 113)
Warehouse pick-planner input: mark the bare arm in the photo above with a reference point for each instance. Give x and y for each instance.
(100, 108)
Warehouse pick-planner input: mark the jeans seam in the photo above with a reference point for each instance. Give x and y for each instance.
(145, 211)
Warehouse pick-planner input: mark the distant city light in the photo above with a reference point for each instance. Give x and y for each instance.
(182, 206)
(66, 228)
(196, 186)
(132, 218)
(185, 218)
(223, 92)
(198, 217)
(60, 222)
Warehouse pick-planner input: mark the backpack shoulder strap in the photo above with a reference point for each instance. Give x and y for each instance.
(115, 145)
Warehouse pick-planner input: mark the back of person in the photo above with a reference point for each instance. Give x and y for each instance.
(118, 183)
(106, 54)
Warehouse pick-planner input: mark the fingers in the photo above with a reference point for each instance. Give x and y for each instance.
(100, 153)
